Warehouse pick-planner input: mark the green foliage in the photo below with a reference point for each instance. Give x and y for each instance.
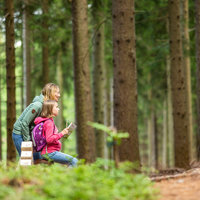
(112, 133)
(85, 182)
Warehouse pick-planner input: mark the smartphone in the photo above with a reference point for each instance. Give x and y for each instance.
(71, 127)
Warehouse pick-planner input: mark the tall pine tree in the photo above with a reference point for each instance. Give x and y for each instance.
(178, 86)
(10, 77)
(83, 99)
(99, 74)
(125, 77)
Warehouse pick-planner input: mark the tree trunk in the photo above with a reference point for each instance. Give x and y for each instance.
(33, 66)
(164, 138)
(109, 99)
(10, 77)
(26, 54)
(59, 119)
(170, 125)
(22, 71)
(45, 39)
(125, 78)
(152, 136)
(83, 99)
(109, 109)
(99, 76)
(150, 132)
(197, 28)
(144, 151)
(0, 118)
(179, 97)
(187, 68)
(156, 140)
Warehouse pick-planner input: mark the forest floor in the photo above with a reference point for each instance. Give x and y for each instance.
(178, 184)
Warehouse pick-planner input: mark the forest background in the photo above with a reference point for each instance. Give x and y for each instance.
(45, 45)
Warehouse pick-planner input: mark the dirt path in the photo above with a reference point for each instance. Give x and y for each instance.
(184, 186)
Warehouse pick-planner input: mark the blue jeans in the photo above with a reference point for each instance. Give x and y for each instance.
(62, 158)
(18, 139)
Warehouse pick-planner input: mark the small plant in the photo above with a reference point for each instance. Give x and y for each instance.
(85, 182)
(46, 156)
(114, 138)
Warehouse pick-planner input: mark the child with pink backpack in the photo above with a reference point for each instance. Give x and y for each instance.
(50, 132)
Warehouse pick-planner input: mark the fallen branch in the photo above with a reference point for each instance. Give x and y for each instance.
(188, 173)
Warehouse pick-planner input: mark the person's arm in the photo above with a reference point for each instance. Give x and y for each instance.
(49, 129)
(31, 114)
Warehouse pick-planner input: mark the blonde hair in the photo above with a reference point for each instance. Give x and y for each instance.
(49, 91)
(47, 108)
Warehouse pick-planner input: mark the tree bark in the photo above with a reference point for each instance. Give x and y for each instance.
(197, 34)
(170, 126)
(164, 138)
(83, 99)
(59, 119)
(45, 39)
(10, 78)
(125, 78)
(156, 140)
(179, 96)
(187, 68)
(99, 76)
(152, 140)
(109, 109)
(26, 54)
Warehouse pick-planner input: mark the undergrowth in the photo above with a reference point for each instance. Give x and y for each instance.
(85, 182)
